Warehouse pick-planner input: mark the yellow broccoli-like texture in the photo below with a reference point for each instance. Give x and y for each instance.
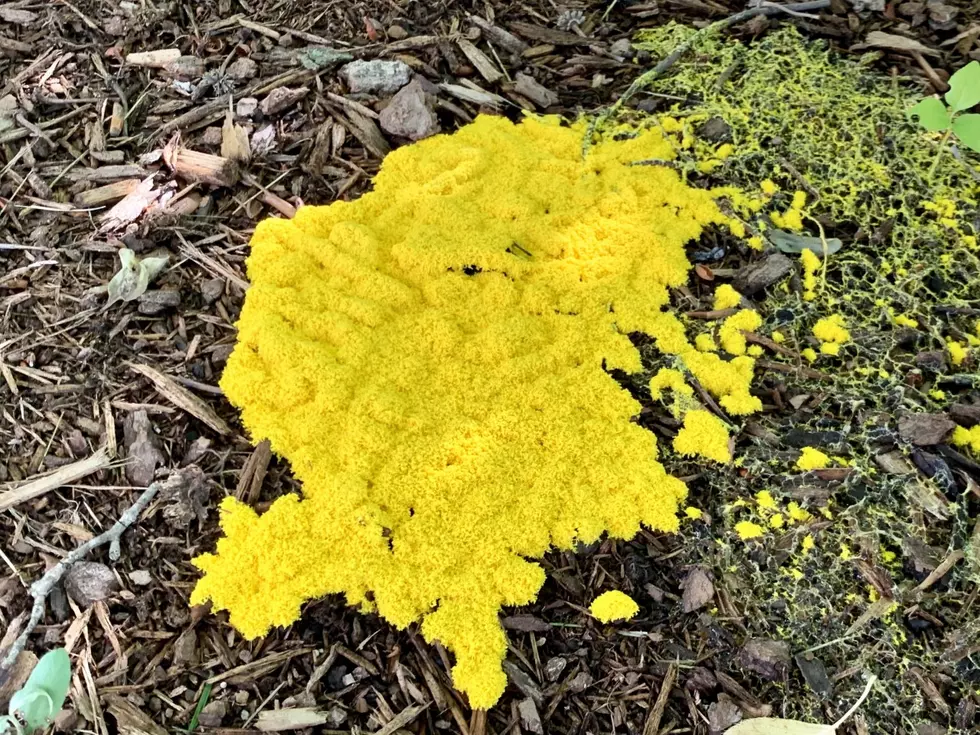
(612, 606)
(431, 358)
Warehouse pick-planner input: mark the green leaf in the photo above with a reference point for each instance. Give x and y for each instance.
(964, 88)
(788, 242)
(776, 726)
(967, 129)
(931, 114)
(134, 276)
(45, 690)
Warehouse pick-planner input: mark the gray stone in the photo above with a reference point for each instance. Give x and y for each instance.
(142, 449)
(246, 106)
(722, 714)
(282, 98)
(140, 577)
(925, 429)
(409, 114)
(158, 301)
(88, 582)
(377, 76)
(213, 713)
(622, 48)
(580, 683)
(554, 667)
(766, 657)
(212, 289)
(243, 69)
(698, 590)
(530, 719)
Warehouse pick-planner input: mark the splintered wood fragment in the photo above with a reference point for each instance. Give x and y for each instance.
(234, 141)
(259, 667)
(479, 60)
(939, 572)
(548, 35)
(877, 609)
(253, 473)
(652, 726)
(498, 36)
(260, 29)
(182, 398)
(63, 476)
(153, 59)
(365, 130)
(403, 718)
(291, 718)
(476, 96)
(105, 194)
(205, 168)
(357, 660)
(117, 121)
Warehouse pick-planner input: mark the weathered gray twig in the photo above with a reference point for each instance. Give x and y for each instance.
(764, 8)
(42, 587)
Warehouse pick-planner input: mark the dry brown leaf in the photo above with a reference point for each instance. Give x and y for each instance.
(879, 39)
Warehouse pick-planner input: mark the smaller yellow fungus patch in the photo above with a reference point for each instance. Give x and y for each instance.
(812, 459)
(669, 379)
(798, 514)
(809, 354)
(906, 321)
(703, 434)
(832, 333)
(769, 187)
(777, 521)
(748, 530)
(765, 500)
(613, 606)
(695, 514)
(704, 342)
(730, 334)
(957, 351)
(963, 437)
(778, 337)
(726, 297)
(808, 543)
(811, 266)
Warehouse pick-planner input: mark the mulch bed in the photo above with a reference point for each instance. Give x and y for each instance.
(81, 126)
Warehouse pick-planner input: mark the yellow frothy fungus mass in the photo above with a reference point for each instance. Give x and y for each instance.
(431, 358)
(812, 458)
(612, 606)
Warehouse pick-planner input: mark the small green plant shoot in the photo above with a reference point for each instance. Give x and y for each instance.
(964, 93)
(44, 692)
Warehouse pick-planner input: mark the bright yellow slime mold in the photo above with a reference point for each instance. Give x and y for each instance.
(430, 358)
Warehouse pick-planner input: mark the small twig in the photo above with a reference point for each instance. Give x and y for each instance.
(42, 587)
(647, 77)
(854, 707)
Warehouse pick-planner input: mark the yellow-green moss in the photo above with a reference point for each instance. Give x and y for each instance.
(430, 358)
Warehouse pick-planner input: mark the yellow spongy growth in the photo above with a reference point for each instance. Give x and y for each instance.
(726, 297)
(963, 437)
(831, 329)
(612, 606)
(812, 458)
(730, 334)
(430, 358)
(703, 434)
